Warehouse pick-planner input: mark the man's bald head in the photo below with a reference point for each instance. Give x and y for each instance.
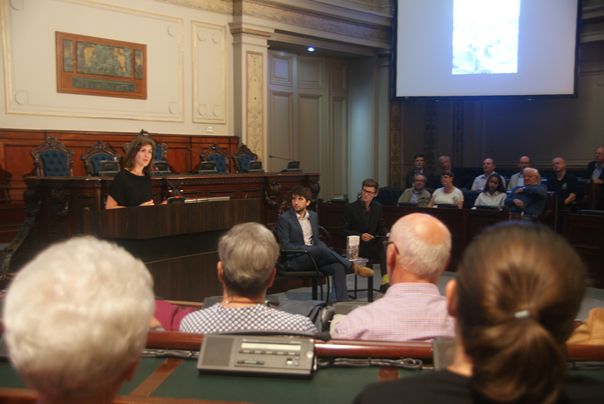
(524, 162)
(600, 154)
(423, 244)
(558, 164)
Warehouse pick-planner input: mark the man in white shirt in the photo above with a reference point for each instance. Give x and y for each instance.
(298, 229)
(517, 180)
(488, 168)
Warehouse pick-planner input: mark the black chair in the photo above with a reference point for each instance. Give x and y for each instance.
(312, 272)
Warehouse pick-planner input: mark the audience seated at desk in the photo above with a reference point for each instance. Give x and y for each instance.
(516, 294)
(488, 168)
(365, 218)
(517, 179)
(76, 319)
(445, 166)
(448, 194)
(419, 163)
(246, 269)
(298, 228)
(562, 184)
(529, 199)
(417, 194)
(595, 168)
(412, 307)
(493, 194)
(132, 186)
(595, 172)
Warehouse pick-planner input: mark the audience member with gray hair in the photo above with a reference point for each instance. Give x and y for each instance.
(76, 319)
(412, 308)
(246, 269)
(417, 194)
(529, 199)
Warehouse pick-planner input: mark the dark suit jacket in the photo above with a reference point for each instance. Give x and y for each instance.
(357, 222)
(590, 169)
(289, 230)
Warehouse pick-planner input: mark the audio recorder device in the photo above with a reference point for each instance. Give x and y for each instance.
(275, 355)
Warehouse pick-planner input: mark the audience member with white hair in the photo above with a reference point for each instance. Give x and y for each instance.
(76, 319)
(246, 269)
(529, 199)
(412, 308)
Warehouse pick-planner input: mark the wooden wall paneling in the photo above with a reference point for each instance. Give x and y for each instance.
(17, 162)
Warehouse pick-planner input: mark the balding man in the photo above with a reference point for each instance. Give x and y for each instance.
(563, 184)
(445, 166)
(412, 308)
(529, 199)
(488, 168)
(595, 169)
(517, 180)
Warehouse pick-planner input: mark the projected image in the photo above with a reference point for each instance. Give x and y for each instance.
(485, 36)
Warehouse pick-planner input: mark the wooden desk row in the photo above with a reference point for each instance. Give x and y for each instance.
(584, 231)
(178, 242)
(171, 380)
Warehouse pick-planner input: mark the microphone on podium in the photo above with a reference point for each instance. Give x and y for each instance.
(278, 157)
(176, 194)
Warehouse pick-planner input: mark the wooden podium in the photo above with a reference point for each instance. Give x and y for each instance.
(177, 242)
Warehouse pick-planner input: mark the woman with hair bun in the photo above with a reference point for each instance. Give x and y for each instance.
(517, 291)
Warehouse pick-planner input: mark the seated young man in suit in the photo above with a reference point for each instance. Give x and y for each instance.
(298, 228)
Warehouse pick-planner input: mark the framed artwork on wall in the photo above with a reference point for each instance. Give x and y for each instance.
(98, 66)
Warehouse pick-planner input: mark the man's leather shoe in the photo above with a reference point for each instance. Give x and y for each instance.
(362, 271)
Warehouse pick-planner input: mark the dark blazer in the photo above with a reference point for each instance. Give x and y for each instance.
(533, 196)
(590, 169)
(289, 230)
(357, 222)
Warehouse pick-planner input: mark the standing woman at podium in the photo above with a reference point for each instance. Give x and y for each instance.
(132, 186)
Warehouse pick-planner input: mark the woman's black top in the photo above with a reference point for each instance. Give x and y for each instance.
(131, 190)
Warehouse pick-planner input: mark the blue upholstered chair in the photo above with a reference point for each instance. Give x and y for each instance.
(216, 156)
(52, 159)
(245, 160)
(101, 159)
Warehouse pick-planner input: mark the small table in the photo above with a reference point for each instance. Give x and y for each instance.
(362, 262)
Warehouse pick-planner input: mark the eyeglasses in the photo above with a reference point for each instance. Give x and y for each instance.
(369, 192)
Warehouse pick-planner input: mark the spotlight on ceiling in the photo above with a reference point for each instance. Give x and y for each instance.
(310, 49)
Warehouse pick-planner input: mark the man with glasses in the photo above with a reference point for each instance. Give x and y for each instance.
(417, 194)
(364, 218)
(412, 308)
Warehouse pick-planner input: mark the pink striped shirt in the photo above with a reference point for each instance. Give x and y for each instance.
(408, 311)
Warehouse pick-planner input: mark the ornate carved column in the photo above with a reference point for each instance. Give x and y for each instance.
(249, 65)
(395, 175)
(430, 131)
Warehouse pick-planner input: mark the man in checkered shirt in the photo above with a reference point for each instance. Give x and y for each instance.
(412, 308)
(246, 269)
